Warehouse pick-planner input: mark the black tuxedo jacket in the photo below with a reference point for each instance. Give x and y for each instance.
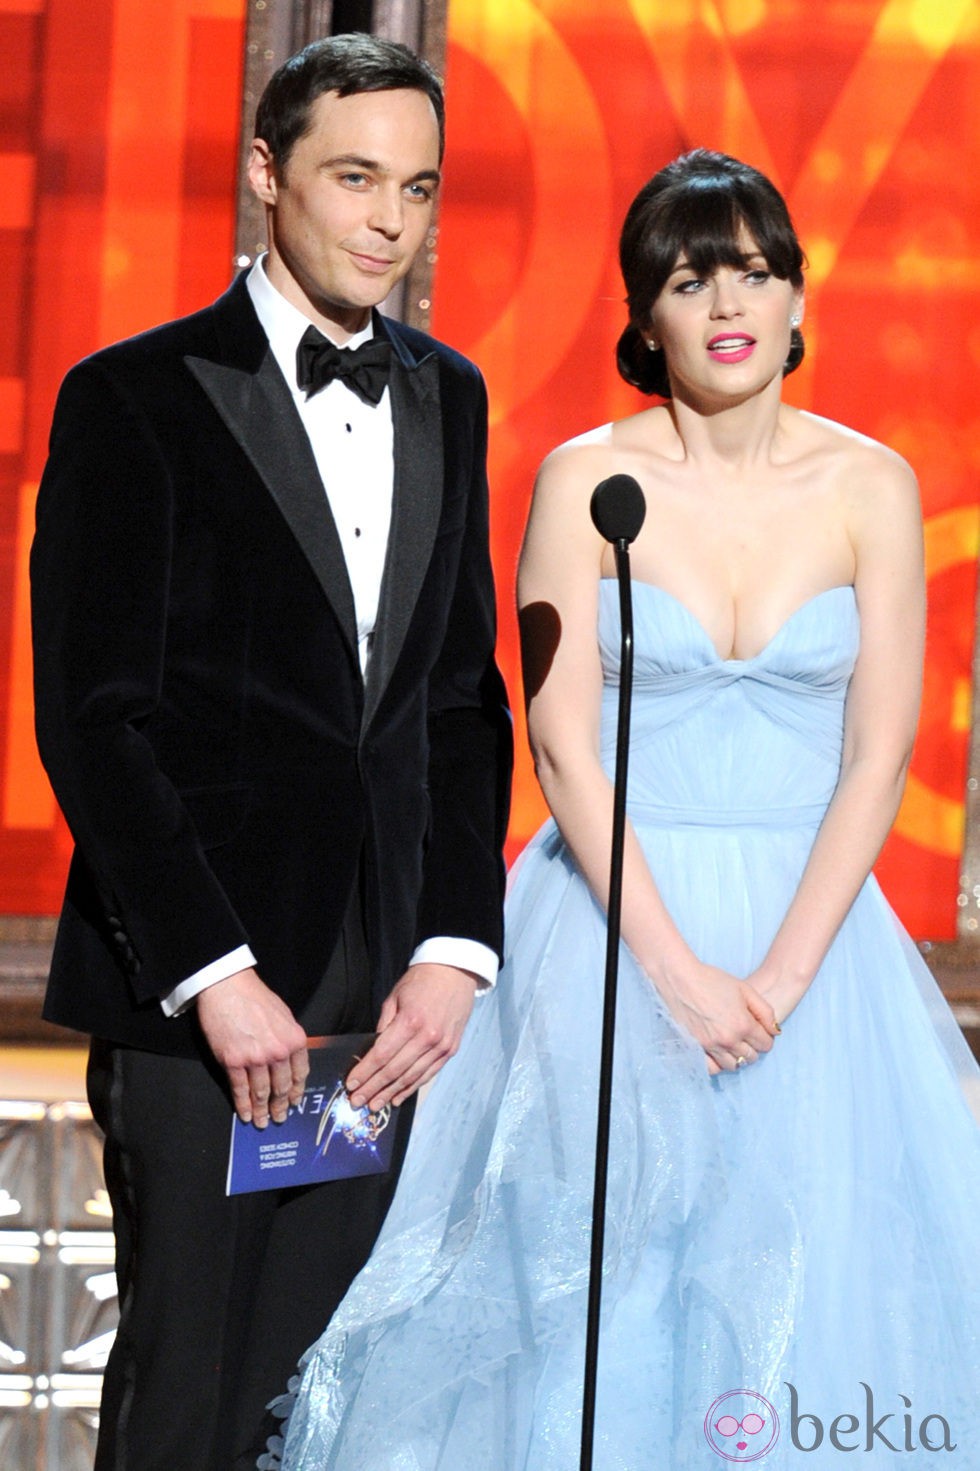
(222, 764)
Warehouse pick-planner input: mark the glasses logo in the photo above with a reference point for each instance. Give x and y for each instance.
(741, 1426)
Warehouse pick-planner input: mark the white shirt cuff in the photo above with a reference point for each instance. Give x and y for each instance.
(464, 954)
(219, 970)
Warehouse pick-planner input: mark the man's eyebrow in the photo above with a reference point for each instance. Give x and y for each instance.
(373, 166)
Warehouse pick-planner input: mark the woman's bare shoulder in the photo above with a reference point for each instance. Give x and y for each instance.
(578, 455)
(862, 468)
(605, 450)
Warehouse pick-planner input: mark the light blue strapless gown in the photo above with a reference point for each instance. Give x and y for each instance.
(811, 1220)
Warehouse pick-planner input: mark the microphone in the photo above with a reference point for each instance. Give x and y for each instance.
(618, 511)
(618, 508)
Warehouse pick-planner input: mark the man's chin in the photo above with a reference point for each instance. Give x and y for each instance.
(360, 298)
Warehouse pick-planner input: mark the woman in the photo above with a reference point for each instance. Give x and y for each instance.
(795, 1175)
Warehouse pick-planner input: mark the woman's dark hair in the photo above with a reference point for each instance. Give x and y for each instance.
(697, 206)
(346, 65)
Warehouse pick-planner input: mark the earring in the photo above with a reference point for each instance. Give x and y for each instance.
(795, 319)
(653, 344)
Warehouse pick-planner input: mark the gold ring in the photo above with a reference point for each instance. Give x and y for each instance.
(741, 1061)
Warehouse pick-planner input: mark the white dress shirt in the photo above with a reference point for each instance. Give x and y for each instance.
(353, 445)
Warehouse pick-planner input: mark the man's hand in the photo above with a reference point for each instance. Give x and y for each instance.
(419, 1029)
(259, 1043)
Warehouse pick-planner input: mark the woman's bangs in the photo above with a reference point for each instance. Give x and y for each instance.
(711, 226)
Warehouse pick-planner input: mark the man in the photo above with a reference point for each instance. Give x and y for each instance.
(267, 700)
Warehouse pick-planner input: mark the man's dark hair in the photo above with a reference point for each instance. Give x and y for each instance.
(346, 65)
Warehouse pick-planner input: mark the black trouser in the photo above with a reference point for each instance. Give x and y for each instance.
(219, 1296)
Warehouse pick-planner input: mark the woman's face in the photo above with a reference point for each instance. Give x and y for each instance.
(727, 334)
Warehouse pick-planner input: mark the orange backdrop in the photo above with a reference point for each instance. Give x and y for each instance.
(865, 114)
(118, 128)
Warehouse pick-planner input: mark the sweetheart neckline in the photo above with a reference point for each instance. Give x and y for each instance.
(695, 620)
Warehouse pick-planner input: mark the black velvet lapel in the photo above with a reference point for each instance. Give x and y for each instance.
(416, 507)
(249, 392)
(259, 412)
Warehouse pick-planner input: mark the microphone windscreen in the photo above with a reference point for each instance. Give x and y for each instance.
(618, 508)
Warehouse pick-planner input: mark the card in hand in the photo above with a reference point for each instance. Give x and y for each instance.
(323, 1137)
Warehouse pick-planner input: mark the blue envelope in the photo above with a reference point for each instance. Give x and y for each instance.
(322, 1137)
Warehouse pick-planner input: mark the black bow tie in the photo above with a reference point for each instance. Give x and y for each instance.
(364, 369)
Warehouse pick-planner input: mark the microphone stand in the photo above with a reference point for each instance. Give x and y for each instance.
(614, 914)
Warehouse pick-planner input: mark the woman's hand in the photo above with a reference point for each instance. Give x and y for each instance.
(784, 993)
(727, 1017)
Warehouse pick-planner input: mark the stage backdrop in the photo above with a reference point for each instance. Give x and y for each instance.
(118, 127)
(119, 131)
(866, 116)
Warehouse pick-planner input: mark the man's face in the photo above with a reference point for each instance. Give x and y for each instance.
(353, 204)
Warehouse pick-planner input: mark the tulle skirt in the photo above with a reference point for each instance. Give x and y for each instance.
(791, 1250)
